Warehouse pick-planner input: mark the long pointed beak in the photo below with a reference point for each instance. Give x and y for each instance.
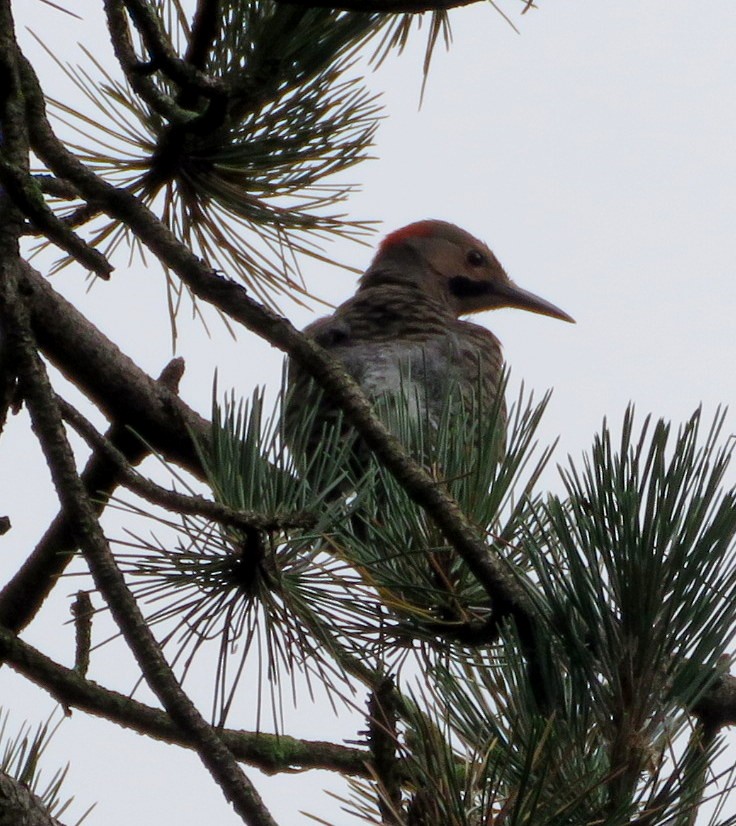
(514, 296)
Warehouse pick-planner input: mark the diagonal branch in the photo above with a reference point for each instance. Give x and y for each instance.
(27, 196)
(113, 381)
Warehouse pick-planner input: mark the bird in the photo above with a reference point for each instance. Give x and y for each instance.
(404, 339)
(403, 335)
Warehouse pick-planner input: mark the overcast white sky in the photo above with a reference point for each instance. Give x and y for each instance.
(595, 152)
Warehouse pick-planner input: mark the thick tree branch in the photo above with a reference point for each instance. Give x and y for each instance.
(114, 382)
(17, 804)
(14, 132)
(267, 752)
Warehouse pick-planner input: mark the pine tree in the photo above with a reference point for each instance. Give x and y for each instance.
(509, 655)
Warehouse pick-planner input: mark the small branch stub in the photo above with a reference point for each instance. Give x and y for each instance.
(82, 612)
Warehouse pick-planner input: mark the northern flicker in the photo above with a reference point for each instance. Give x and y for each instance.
(401, 333)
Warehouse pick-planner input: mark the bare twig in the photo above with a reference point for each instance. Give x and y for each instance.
(81, 215)
(51, 185)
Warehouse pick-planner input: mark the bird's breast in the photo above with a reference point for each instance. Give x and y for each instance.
(422, 373)
(382, 366)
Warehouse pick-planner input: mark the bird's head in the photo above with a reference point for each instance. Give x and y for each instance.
(452, 267)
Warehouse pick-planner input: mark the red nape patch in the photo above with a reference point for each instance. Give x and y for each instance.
(419, 229)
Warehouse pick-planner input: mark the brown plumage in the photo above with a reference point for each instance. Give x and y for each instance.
(401, 333)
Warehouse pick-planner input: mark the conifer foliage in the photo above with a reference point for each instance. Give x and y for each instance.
(508, 655)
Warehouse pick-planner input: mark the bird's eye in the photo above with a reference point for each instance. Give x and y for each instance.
(475, 258)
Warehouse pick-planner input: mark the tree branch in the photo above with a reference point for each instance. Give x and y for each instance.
(82, 611)
(163, 54)
(46, 421)
(143, 86)
(51, 185)
(114, 382)
(27, 196)
(383, 739)
(173, 500)
(268, 752)
(204, 30)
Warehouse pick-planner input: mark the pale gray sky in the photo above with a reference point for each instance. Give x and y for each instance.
(594, 152)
